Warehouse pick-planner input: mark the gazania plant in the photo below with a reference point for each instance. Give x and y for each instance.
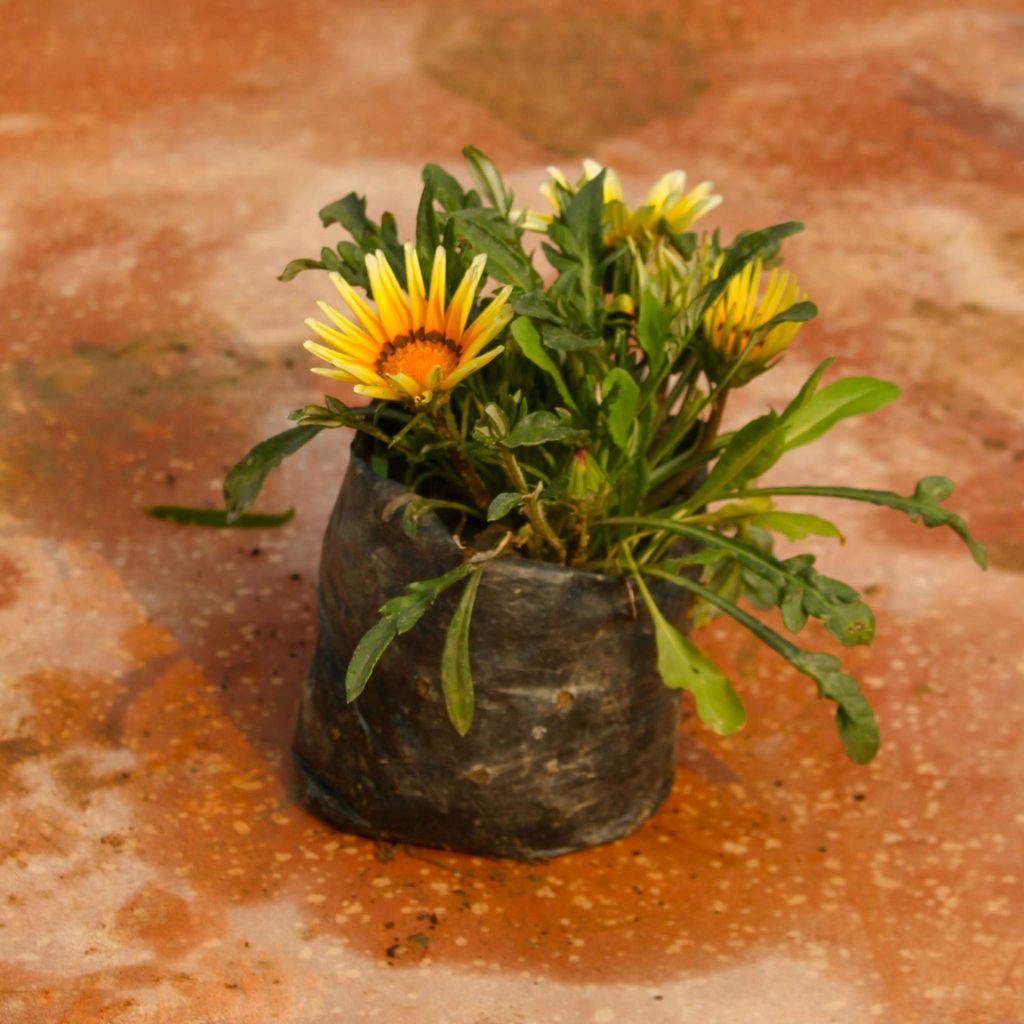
(552, 385)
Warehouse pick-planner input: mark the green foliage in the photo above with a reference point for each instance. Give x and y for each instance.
(456, 677)
(682, 666)
(595, 439)
(503, 504)
(218, 517)
(245, 479)
(398, 616)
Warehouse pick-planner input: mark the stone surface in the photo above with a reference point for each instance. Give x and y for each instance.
(160, 164)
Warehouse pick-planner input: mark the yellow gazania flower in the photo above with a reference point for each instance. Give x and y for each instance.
(667, 200)
(414, 346)
(742, 309)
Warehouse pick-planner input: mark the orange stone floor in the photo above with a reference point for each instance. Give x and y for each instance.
(160, 163)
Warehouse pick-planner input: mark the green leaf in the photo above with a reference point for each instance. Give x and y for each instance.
(331, 260)
(503, 504)
(855, 720)
(398, 616)
(528, 339)
(794, 525)
(487, 177)
(539, 428)
(218, 517)
(746, 248)
(933, 489)
(484, 230)
(858, 728)
(534, 306)
(850, 396)
(448, 191)
(682, 666)
(296, 267)
(427, 235)
(751, 451)
(244, 480)
(414, 508)
(350, 213)
(456, 676)
(653, 329)
(371, 646)
(835, 603)
(799, 312)
(921, 505)
(620, 396)
(794, 616)
(562, 339)
(584, 217)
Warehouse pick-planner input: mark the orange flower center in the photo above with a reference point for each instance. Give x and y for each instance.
(417, 354)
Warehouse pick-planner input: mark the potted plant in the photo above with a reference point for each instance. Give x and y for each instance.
(541, 500)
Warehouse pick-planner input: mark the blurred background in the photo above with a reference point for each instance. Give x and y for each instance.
(159, 164)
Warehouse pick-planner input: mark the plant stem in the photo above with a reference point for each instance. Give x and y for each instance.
(675, 484)
(468, 474)
(532, 505)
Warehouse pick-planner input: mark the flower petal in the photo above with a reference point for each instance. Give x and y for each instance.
(371, 391)
(360, 371)
(462, 300)
(417, 293)
(465, 369)
(409, 386)
(362, 311)
(487, 325)
(434, 320)
(352, 333)
(355, 350)
(392, 304)
(341, 375)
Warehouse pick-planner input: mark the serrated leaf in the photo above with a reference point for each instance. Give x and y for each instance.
(245, 479)
(503, 504)
(447, 189)
(485, 231)
(794, 617)
(916, 507)
(350, 213)
(855, 720)
(761, 593)
(456, 674)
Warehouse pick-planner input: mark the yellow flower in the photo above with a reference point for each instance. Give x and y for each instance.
(742, 309)
(668, 200)
(415, 345)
